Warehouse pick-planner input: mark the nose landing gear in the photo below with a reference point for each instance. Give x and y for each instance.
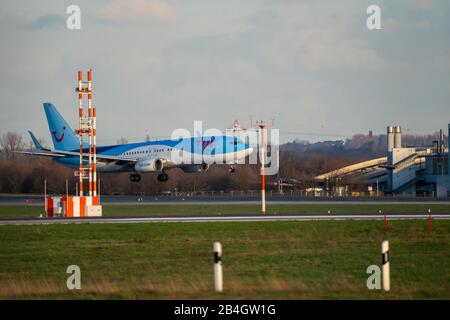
(231, 169)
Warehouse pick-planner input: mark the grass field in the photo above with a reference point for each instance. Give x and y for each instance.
(292, 260)
(224, 209)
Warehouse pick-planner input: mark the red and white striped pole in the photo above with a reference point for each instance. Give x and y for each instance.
(430, 221)
(384, 220)
(263, 177)
(94, 136)
(80, 132)
(90, 131)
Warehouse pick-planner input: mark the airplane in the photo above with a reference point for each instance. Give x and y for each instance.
(141, 157)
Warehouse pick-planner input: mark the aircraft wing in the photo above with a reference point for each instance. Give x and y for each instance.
(99, 156)
(45, 152)
(40, 153)
(63, 154)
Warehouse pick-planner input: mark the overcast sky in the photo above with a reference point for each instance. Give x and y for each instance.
(158, 65)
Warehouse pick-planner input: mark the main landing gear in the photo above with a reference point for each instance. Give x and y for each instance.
(231, 169)
(135, 178)
(163, 177)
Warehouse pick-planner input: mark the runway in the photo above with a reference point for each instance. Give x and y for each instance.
(231, 199)
(234, 218)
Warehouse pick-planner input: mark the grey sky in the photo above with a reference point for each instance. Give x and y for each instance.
(159, 65)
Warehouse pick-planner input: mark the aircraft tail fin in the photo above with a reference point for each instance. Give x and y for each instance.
(62, 135)
(36, 142)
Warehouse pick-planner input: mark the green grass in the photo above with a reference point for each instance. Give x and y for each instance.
(224, 209)
(291, 260)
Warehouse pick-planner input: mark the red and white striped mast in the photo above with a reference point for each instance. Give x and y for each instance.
(262, 125)
(80, 131)
(90, 131)
(87, 126)
(94, 135)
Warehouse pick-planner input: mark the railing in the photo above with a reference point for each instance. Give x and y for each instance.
(288, 193)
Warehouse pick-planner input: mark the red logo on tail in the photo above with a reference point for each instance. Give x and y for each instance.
(60, 138)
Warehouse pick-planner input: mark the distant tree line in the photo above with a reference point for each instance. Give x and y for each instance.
(300, 162)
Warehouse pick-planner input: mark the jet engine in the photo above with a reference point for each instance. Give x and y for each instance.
(148, 165)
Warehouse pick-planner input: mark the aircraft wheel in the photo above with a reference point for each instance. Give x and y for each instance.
(135, 178)
(163, 177)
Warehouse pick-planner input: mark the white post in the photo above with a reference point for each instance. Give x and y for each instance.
(218, 274)
(385, 261)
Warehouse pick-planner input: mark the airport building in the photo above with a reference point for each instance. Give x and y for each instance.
(403, 171)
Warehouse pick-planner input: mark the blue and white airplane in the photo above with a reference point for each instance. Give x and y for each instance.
(193, 154)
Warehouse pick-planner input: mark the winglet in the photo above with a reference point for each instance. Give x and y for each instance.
(36, 143)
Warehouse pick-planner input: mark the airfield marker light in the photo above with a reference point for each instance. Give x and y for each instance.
(430, 221)
(218, 272)
(386, 266)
